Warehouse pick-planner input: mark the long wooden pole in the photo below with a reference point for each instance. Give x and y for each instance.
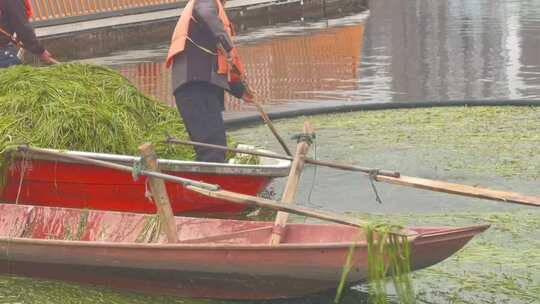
(249, 200)
(439, 186)
(270, 125)
(159, 193)
(260, 108)
(289, 194)
(209, 189)
(396, 178)
(172, 140)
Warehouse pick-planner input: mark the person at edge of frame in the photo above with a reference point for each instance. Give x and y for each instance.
(201, 55)
(16, 28)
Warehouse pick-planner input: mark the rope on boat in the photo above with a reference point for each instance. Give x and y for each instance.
(23, 171)
(136, 172)
(372, 177)
(314, 170)
(304, 137)
(311, 139)
(137, 169)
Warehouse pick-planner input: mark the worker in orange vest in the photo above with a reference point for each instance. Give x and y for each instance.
(17, 32)
(201, 56)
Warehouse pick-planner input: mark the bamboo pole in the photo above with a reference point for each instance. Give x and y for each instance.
(172, 140)
(289, 193)
(159, 192)
(259, 107)
(269, 123)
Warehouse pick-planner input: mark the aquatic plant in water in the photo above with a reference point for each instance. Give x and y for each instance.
(501, 265)
(388, 256)
(396, 251)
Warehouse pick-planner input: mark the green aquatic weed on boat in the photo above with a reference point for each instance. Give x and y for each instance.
(83, 107)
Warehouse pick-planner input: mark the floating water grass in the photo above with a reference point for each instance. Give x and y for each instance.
(501, 141)
(502, 265)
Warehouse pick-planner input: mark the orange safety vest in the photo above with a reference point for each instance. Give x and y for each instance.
(180, 36)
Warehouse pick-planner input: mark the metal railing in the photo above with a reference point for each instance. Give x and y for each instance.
(57, 9)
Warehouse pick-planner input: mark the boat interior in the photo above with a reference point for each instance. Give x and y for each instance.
(37, 222)
(53, 223)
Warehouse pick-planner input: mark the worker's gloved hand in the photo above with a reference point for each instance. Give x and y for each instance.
(46, 58)
(238, 90)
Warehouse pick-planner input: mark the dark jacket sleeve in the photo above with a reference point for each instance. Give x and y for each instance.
(18, 22)
(206, 12)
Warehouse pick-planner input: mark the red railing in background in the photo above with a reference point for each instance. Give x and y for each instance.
(55, 9)
(280, 70)
(152, 78)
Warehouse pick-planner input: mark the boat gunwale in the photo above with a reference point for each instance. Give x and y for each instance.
(448, 232)
(280, 168)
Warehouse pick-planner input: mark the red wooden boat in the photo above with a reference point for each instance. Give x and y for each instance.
(39, 180)
(215, 258)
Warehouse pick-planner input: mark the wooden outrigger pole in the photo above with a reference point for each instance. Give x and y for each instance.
(396, 178)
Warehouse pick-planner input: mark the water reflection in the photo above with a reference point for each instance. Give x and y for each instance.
(404, 51)
(304, 67)
(280, 70)
(411, 51)
(437, 50)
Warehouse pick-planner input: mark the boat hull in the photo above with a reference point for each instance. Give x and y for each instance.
(46, 182)
(220, 259)
(183, 284)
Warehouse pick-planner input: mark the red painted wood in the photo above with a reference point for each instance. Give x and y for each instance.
(72, 185)
(103, 248)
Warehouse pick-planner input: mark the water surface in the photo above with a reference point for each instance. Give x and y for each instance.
(397, 51)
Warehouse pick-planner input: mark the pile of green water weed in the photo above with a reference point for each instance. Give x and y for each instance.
(86, 108)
